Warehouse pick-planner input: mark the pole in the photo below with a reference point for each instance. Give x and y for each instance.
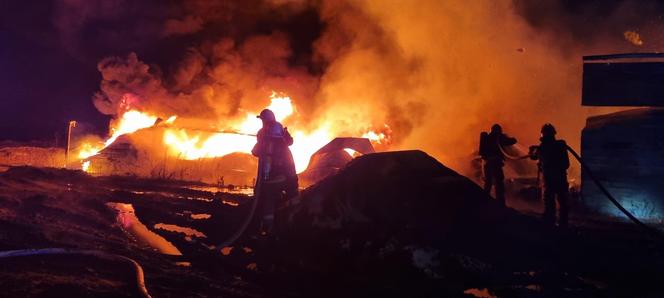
(72, 124)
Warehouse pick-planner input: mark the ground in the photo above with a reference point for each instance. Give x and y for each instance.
(506, 254)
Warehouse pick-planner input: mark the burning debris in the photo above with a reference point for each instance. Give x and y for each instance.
(633, 37)
(205, 145)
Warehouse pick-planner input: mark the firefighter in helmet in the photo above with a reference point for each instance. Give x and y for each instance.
(553, 162)
(277, 178)
(492, 155)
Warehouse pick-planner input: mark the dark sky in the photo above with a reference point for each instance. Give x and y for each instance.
(49, 54)
(42, 86)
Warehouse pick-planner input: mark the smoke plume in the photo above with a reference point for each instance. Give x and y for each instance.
(431, 73)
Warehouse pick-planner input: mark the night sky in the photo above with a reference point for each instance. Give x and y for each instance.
(43, 86)
(49, 56)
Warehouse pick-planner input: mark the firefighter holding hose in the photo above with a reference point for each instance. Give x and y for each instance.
(553, 163)
(494, 160)
(276, 168)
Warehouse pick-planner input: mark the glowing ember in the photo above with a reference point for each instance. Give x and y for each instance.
(374, 137)
(85, 166)
(351, 152)
(171, 119)
(633, 37)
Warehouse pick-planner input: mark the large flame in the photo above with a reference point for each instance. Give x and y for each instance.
(191, 145)
(129, 122)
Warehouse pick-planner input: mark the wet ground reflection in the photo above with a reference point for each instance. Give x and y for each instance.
(178, 229)
(200, 216)
(127, 219)
(243, 190)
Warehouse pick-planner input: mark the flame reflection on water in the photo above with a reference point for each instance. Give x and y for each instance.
(127, 219)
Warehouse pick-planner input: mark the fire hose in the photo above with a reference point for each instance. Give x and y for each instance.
(613, 200)
(246, 222)
(262, 175)
(601, 187)
(140, 278)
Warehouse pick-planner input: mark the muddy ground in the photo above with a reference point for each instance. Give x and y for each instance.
(44, 208)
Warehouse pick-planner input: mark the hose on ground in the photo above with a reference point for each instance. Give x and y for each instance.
(603, 189)
(243, 227)
(613, 200)
(140, 278)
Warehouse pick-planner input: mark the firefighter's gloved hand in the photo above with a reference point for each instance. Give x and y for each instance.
(533, 152)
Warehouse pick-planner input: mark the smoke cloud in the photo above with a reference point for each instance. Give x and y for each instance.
(431, 73)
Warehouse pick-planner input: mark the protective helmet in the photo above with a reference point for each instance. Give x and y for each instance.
(267, 116)
(548, 130)
(496, 128)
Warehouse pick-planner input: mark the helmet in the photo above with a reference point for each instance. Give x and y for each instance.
(548, 130)
(496, 128)
(267, 115)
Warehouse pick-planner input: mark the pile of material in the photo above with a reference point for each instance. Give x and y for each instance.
(406, 217)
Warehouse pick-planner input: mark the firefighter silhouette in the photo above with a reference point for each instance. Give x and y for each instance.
(553, 163)
(276, 179)
(493, 158)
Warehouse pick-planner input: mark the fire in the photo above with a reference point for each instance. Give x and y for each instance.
(374, 137)
(85, 166)
(280, 105)
(190, 144)
(186, 146)
(129, 122)
(633, 37)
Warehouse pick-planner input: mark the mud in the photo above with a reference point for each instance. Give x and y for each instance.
(396, 225)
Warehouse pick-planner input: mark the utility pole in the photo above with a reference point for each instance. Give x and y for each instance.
(72, 124)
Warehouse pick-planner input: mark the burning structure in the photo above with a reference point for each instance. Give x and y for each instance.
(145, 145)
(625, 149)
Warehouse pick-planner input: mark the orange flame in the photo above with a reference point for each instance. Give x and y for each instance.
(191, 145)
(129, 122)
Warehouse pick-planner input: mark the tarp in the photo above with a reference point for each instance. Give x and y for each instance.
(331, 157)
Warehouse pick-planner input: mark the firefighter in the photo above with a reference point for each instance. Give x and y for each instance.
(553, 163)
(276, 178)
(493, 158)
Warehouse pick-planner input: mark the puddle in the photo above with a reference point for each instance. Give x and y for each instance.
(226, 250)
(244, 190)
(200, 199)
(479, 293)
(127, 219)
(252, 267)
(200, 216)
(595, 283)
(230, 203)
(189, 232)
